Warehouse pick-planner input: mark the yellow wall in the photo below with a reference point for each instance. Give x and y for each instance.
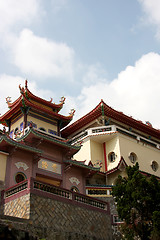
(3, 162)
(111, 178)
(113, 146)
(145, 154)
(41, 123)
(84, 153)
(97, 153)
(17, 124)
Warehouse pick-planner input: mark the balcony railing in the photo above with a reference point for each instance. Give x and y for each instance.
(16, 189)
(99, 191)
(47, 190)
(52, 189)
(112, 129)
(90, 201)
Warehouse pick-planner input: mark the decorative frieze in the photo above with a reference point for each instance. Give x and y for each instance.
(74, 180)
(21, 165)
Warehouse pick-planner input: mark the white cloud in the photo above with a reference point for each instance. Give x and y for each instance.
(41, 57)
(57, 5)
(135, 91)
(94, 73)
(152, 10)
(17, 12)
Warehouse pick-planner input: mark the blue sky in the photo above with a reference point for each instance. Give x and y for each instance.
(85, 50)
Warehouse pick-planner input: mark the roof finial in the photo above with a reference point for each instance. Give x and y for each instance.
(26, 83)
(21, 89)
(62, 99)
(8, 100)
(72, 112)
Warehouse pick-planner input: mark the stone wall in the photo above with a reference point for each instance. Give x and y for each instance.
(19, 207)
(113, 211)
(59, 220)
(70, 219)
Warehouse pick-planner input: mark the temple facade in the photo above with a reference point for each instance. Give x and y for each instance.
(112, 140)
(39, 179)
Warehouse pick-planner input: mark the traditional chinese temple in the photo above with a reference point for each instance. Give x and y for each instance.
(112, 140)
(41, 182)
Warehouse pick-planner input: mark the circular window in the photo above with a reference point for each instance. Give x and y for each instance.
(74, 189)
(20, 177)
(154, 166)
(16, 131)
(133, 157)
(112, 156)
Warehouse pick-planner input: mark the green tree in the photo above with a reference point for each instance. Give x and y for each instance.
(138, 204)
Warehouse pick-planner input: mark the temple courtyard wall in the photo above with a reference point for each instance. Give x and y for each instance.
(59, 216)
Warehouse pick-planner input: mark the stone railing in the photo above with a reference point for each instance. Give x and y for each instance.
(47, 190)
(99, 191)
(52, 189)
(16, 189)
(90, 201)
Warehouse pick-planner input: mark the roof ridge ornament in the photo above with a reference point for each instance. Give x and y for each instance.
(51, 100)
(26, 84)
(21, 89)
(8, 100)
(62, 100)
(72, 111)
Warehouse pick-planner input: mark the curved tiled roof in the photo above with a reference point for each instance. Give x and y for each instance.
(103, 109)
(26, 92)
(80, 164)
(12, 142)
(48, 138)
(25, 101)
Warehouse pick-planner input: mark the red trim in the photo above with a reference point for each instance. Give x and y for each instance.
(18, 104)
(111, 113)
(105, 157)
(43, 101)
(116, 168)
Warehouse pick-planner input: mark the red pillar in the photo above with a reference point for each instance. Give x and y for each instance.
(105, 157)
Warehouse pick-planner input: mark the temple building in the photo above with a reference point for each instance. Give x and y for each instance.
(40, 182)
(112, 140)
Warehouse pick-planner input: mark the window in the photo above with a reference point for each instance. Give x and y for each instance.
(33, 124)
(21, 127)
(74, 189)
(116, 219)
(52, 132)
(112, 156)
(20, 177)
(16, 131)
(11, 134)
(42, 129)
(133, 157)
(154, 166)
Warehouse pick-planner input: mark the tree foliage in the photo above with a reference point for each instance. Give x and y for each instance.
(138, 204)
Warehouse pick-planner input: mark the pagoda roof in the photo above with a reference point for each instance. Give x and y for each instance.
(34, 133)
(26, 92)
(102, 109)
(25, 101)
(5, 140)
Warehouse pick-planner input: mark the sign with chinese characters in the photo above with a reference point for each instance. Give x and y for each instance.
(74, 180)
(49, 166)
(21, 165)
